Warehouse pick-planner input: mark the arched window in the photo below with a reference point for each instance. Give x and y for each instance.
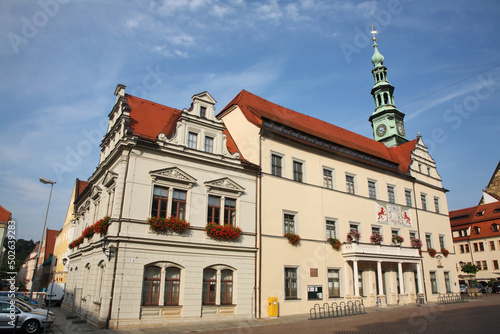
(386, 98)
(209, 286)
(100, 279)
(379, 100)
(151, 286)
(226, 287)
(172, 285)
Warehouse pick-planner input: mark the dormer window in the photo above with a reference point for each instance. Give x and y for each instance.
(476, 229)
(203, 112)
(479, 214)
(494, 227)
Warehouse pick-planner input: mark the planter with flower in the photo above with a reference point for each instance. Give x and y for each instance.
(416, 243)
(336, 244)
(171, 223)
(432, 252)
(293, 238)
(376, 238)
(353, 236)
(397, 240)
(88, 232)
(76, 243)
(445, 252)
(222, 232)
(101, 226)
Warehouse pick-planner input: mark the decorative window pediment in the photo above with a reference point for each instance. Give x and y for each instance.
(173, 174)
(226, 185)
(109, 179)
(96, 192)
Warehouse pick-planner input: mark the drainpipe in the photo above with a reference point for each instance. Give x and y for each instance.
(118, 242)
(260, 227)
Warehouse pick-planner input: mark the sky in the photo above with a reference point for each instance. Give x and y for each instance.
(60, 62)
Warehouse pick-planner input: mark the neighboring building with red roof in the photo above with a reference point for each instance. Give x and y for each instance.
(321, 182)
(476, 233)
(5, 217)
(180, 166)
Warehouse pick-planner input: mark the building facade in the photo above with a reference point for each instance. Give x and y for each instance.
(161, 169)
(380, 202)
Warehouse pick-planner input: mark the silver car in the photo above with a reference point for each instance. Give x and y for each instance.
(14, 314)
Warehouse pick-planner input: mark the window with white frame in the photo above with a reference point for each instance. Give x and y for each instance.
(428, 240)
(298, 173)
(408, 197)
(349, 183)
(333, 283)
(434, 285)
(330, 229)
(327, 178)
(289, 223)
(372, 190)
(391, 194)
(276, 165)
(441, 241)
(436, 204)
(423, 199)
(209, 144)
(291, 283)
(192, 140)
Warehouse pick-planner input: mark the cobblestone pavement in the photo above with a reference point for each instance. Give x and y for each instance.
(476, 316)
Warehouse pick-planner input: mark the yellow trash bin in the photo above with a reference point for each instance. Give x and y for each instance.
(272, 309)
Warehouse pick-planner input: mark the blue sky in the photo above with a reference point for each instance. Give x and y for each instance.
(60, 61)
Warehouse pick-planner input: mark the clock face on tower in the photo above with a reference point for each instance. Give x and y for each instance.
(401, 129)
(381, 130)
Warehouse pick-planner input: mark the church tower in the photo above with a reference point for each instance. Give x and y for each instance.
(387, 121)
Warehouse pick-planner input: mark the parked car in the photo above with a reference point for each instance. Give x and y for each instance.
(22, 317)
(20, 296)
(31, 307)
(463, 288)
(496, 287)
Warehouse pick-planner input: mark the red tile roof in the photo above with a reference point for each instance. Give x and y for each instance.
(482, 216)
(5, 215)
(80, 186)
(255, 108)
(149, 119)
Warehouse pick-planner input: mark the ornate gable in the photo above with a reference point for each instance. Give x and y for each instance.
(174, 175)
(226, 185)
(109, 179)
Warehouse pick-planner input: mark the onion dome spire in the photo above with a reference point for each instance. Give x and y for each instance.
(377, 58)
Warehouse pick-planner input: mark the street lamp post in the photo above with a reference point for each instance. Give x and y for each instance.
(44, 181)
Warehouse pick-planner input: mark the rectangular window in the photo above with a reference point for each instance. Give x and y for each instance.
(478, 264)
(327, 179)
(424, 201)
(226, 287)
(408, 197)
(160, 200)
(209, 144)
(213, 215)
(476, 247)
(495, 264)
(349, 183)
(492, 245)
(467, 249)
(441, 241)
(203, 112)
(360, 283)
(179, 204)
(276, 165)
(333, 283)
(436, 204)
(172, 286)
(433, 279)
(447, 281)
(485, 265)
(462, 249)
(330, 229)
(151, 286)
(297, 171)
(481, 247)
(230, 212)
(375, 229)
(291, 284)
(428, 240)
(192, 140)
(353, 227)
(289, 223)
(372, 191)
(390, 194)
(413, 235)
(209, 286)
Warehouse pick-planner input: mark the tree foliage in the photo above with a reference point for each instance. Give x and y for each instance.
(470, 268)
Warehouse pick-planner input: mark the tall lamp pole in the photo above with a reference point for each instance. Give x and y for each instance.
(44, 181)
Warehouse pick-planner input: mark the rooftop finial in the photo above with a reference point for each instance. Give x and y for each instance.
(373, 32)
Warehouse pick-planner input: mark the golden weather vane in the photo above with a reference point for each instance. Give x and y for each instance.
(373, 32)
